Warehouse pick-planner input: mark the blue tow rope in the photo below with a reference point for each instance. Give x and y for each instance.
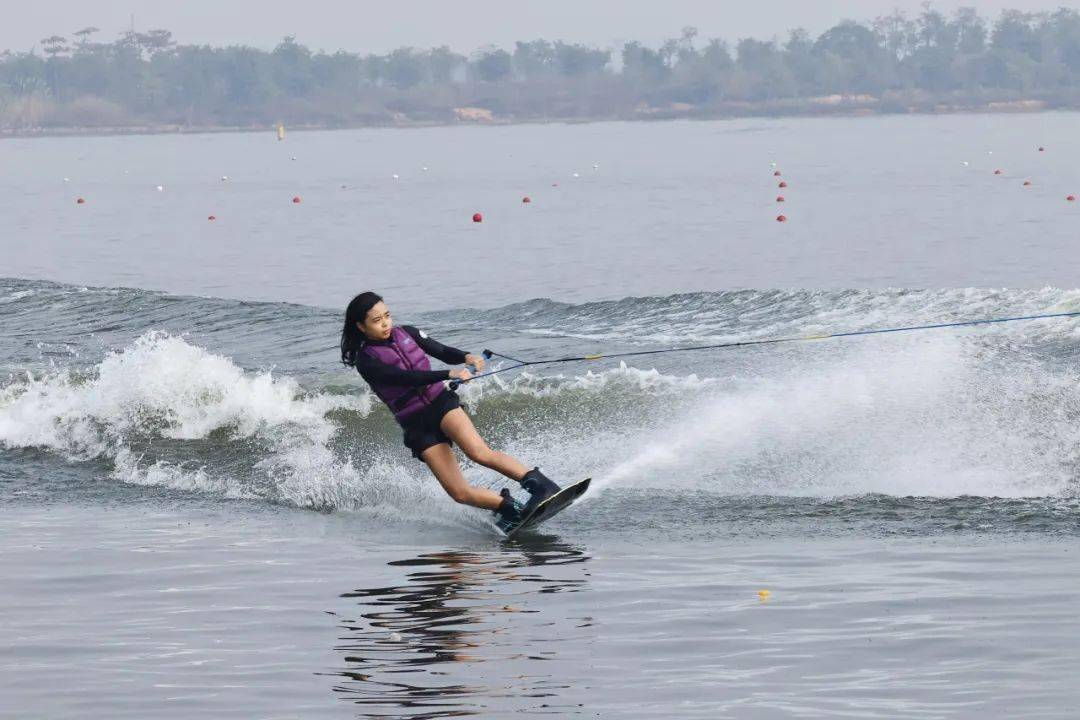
(747, 343)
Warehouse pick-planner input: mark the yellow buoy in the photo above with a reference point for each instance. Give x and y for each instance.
(280, 132)
(763, 594)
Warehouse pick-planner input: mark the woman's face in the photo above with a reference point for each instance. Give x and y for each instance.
(377, 324)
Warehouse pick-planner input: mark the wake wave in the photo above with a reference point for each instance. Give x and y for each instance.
(716, 317)
(941, 414)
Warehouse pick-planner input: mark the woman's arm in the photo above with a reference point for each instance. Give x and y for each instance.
(434, 348)
(376, 371)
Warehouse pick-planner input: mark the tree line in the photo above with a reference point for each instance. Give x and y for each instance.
(895, 63)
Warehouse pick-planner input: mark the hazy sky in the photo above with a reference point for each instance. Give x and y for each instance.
(465, 25)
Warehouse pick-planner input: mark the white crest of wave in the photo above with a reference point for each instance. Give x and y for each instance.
(160, 384)
(16, 296)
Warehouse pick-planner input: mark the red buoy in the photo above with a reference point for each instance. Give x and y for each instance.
(80, 201)
(1027, 183)
(477, 217)
(776, 174)
(782, 184)
(781, 218)
(1042, 149)
(998, 172)
(780, 198)
(526, 199)
(212, 218)
(1071, 198)
(296, 200)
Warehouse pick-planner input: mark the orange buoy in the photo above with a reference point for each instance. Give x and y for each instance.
(781, 218)
(296, 200)
(477, 217)
(526, 199)
(80, 201)
(782, 184)
(212, 218)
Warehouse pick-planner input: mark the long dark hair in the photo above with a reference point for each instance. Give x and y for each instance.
(352, 338)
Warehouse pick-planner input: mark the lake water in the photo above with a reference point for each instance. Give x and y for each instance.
(205, 514)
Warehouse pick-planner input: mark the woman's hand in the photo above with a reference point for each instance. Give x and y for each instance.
(477, 361)
(461, 374)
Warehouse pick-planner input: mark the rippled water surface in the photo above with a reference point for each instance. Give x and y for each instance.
(177, 608)
(205, 515)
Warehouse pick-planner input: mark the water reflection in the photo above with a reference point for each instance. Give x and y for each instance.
(466, 633)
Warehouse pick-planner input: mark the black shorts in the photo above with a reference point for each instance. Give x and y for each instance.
(422, 430)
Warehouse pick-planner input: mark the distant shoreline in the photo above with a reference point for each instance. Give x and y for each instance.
(930, 63)
(780, 110)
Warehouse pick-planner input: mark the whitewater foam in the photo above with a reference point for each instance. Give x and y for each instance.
(162, 385)
(910, 419)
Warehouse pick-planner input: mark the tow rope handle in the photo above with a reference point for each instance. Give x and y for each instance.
(455, 384)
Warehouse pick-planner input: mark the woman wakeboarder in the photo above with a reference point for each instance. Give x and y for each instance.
(394, 362)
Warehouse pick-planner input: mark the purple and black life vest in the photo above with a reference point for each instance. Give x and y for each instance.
(403, 352)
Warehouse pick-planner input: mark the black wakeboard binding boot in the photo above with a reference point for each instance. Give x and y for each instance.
(539, 487)
(510, 513)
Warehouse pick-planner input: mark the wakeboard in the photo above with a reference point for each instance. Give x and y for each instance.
(551, 507)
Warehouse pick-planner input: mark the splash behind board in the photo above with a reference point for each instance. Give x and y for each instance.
(552, 506)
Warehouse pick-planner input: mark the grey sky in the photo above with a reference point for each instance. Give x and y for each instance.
(465, 25)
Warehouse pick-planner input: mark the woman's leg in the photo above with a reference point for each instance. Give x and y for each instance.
(457, 425)
(440, 458)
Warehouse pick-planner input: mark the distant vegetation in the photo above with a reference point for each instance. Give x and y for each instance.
(897, 63)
